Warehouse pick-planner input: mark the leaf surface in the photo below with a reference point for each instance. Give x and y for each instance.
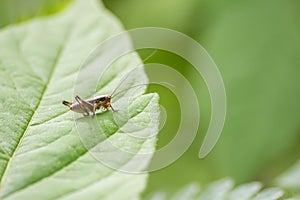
(223, 190)
(41, 153)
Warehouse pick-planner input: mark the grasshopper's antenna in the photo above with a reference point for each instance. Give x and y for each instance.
(138, 85)
(120, 83)
(141, 84)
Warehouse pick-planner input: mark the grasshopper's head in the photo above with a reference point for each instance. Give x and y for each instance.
(107, 102)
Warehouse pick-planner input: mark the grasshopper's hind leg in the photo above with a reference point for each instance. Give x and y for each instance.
(85, 106)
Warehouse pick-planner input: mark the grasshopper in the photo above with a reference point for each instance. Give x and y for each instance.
(91, 105)
(100, 102)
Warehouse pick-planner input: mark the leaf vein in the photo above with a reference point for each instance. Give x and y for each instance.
(84, 151)
(55, 64)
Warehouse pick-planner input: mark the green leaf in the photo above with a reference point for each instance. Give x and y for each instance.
(14, 11)
(223, 190)
(256, 50)
(290, 178)
(187, 192)
(245, 191)
(269, 194)
(217, 190)
(41, 153)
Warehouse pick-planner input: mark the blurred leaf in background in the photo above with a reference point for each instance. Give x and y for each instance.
(223, 189)
(256, 46)
(14, 11)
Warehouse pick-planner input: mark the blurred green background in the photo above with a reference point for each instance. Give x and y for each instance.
(256, 45)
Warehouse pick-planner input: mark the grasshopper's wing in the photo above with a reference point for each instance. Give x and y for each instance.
(85, 106)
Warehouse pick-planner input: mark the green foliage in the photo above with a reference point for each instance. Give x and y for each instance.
(41, 154)
(223, 190)
(15, 11)
(256, 50)
(255, 44)
(288, 188)
(290, 180)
